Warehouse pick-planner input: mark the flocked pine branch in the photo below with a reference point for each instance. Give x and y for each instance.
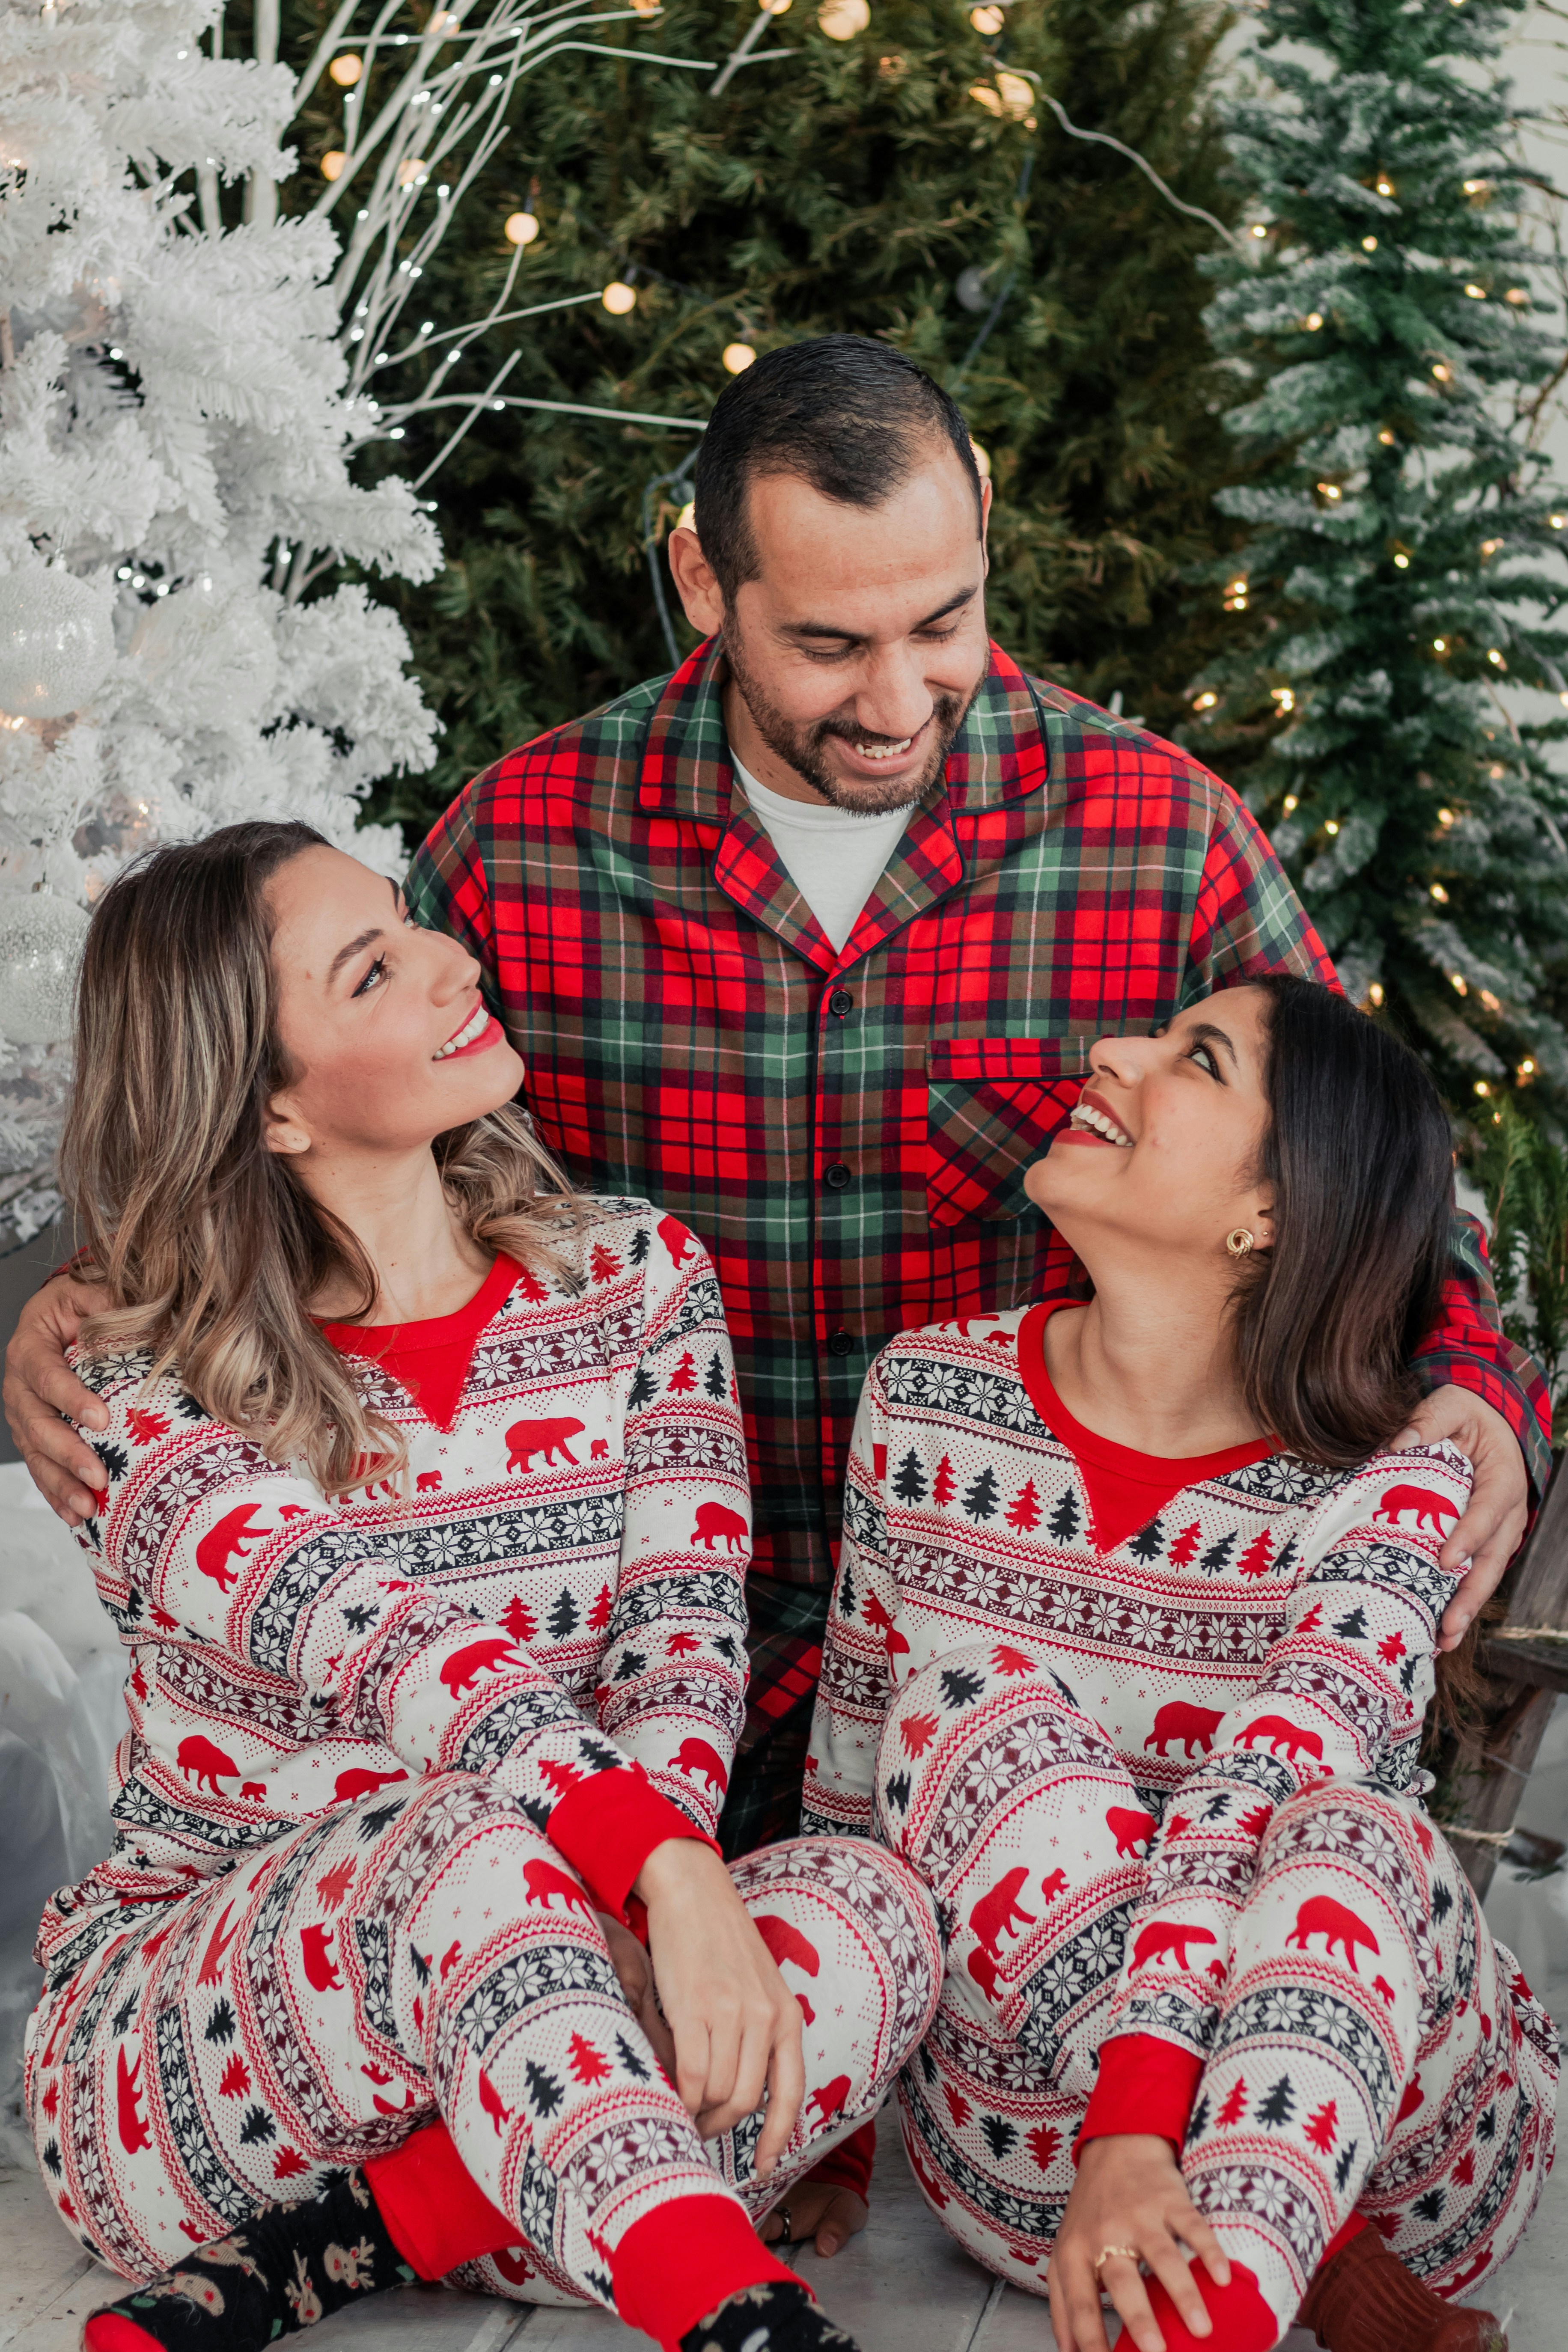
(1405, 538)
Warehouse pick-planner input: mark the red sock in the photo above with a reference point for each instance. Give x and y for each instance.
(1242, 2320)
(680, 2262)
(437, 2214)
(110, 2331)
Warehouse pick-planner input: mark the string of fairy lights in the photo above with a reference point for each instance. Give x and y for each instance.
(1338, 496)
(1006, 95)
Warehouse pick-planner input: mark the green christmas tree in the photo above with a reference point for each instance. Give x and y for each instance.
(1404, 556)
(913, 181)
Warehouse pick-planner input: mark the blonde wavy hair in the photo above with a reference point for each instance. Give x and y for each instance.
(208, 1245)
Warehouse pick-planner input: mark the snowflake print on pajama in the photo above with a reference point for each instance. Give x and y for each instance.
(431, 1953)
(1163, 1787)
(387, 1757)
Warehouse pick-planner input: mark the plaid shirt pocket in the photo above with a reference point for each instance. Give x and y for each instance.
(993, 1105)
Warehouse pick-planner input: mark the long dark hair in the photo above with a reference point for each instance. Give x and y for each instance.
(1360, 1156)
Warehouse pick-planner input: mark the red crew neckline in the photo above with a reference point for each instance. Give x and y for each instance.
(380, 1339)
(430, 1357)
(1127, 1488)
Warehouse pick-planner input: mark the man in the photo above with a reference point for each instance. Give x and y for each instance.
(808, 943)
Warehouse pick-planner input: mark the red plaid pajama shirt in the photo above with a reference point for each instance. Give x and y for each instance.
(849, 1132)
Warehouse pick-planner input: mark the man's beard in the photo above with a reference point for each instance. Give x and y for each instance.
(800, 748)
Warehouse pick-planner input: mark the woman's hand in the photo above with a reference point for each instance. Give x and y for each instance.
(40, 1388)
(635, 1970)
(736, 2024)
(1128, 2192)
(819, 2214)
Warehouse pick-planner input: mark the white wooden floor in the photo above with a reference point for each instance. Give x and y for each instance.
(901, 2287)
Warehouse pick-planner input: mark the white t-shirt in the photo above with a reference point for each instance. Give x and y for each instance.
(833, 857)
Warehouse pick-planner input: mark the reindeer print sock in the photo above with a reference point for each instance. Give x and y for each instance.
(291, 2266)
(780, 2315)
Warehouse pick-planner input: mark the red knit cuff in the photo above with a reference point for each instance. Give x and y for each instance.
(608, 1825)
(437, 2214)
(848, 2166)
(1144, 2084)
(1242, 2321)
(110, 2331)
(680, 2262)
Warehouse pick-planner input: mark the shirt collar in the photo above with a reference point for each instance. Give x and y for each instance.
(1002, 751)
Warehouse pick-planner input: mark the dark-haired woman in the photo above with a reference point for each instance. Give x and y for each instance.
(1132, 1638)
(425, 1524)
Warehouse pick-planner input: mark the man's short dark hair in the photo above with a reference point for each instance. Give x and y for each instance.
(850, 417)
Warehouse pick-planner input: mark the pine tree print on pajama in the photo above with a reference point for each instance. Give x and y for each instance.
(386, 1755)
(1155, 1754)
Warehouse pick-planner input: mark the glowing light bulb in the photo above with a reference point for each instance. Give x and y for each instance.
(1384, 185)
(619, 298)
(1439, 893)
(738, 358)
(1314, 320)
(1369, 245)
(1457, 982)
(1440, 370)
(346, 70)
(842, 19)
(1517, 295)
(1374, 993)
(1402, 563)
(332, 163)
(1439, 645)
(987, 20)
(411, 171)
(1445, 816)
(1387, 437)
(1260, 228)
(1205, 702)
(520, 228)
(1333, 825)
(1477, 293)
(1490, 1000)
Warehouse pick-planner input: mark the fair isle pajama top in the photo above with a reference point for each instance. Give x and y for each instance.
(1149, 1733)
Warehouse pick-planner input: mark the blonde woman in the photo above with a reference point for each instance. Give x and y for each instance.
(425, 1529)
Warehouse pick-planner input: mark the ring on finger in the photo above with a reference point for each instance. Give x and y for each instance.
(786, 2236)
(1106, 2253)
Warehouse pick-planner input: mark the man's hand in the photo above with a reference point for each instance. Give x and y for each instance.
(40, 1389)
(736, 2024)
(1493, 1527)
(1128, 2192)
(819, 2214)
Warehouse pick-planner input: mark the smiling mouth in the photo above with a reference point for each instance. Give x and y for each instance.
(883, 751)
(473, 1027)
(1099, 1122)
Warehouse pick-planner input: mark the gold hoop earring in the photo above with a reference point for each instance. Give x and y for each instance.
(1239, 1242)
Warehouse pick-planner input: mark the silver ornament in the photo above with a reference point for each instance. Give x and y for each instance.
(56, 641)
(40, 948)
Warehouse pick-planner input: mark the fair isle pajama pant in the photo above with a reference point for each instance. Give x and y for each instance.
(1419, 2093)
(434, 1953)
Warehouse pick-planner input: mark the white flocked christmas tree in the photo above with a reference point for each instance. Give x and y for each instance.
(173, 426)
